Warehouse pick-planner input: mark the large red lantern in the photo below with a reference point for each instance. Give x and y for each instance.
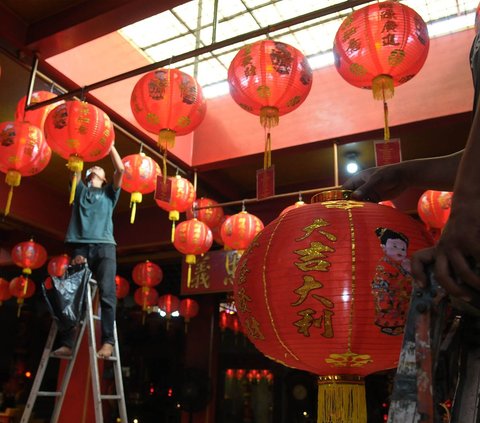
(434, 208)
(29, 255)
(168, 102)
(269, 79)
(325, 288)
(37, 116)
(182, 197)
(145, 297)
(188, 309)
(79, 132)
(21, 287)
(58, 265)
(192, 238)
(239, 230)
(140, 177)
(122, 287)
(147, 274)
(207, 211)
(5, 293)
(381, 46)
(23, 152)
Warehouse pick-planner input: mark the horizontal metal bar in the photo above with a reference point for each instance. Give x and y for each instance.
(49, 394)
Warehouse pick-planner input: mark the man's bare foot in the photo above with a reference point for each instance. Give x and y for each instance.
(106, 351)
(63, 351)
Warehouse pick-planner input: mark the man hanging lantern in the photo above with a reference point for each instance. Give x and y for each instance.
(379, 47)
(269, 79)
(79, 132)
(21, 287)
(122, 287)
(140, 178)
(37, 116)
(239, 230)
(182, 198)
(325, 288)
(168, 102)
(188, 309)
(192, 238)
(434, 208)
(5, 293)
(58, 265)
(207, 211)
(23, 152)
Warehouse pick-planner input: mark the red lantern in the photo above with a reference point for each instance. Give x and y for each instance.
(48, 283)
(269, 79)
(235, 324)
(387, 203)
(168, 102)
(223, 321)
(5, 293)
(208, 212)
(29, 255)
(325, 288)
(216, 230)
(78, 132)
(147, 274)
(58, 265)
(239, 230)
(188, 309)
(297, 204)
(21, 287)
(37, 116)
(434, 208)
(145, 297)
(182, 197)
(192, 237)
(381, 46)
(140, 178)
(168, 304)
(122, 287)
(23, 152)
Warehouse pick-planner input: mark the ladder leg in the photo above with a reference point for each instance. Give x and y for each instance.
(117, 367)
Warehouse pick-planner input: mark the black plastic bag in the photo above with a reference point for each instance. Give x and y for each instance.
(66, 298)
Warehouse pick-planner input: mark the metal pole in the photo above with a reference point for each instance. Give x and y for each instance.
(335, 163)
(31, 83)
(207, 49)
(215, 21)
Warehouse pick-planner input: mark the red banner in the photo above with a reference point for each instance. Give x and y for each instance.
(387, 152)
(213, 272)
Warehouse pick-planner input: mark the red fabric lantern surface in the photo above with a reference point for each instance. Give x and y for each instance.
(239, 230)
(182, 197)
(168, 303)
(381, 46)
(37, 116)
(29, 255)
(223, 321)
(5, 293)
(48, 283)
(216, 230)
(23, 152)
(140, 177)
(21, 287)
(188, 309)
(168, 102)
(192, 238)
(58, 265)
(434, 208)
(147, 274)
(208, 212)
(122, 287)
(297, 204)
(325, 288)
(79, 132)
(387, 203)
(145, 297)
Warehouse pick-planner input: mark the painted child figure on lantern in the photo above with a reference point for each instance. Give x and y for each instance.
(90, 239)
(392, 282)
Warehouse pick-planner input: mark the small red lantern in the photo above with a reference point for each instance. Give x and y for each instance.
(58, 265)
(434, 208)
(48, 283)
(188, 309)
(325, 288)
(216, 230)
(381, 46)
(192, 237)
(168, 304)
(147, 274)
(297, 204)
(239, 230)
(182, 197)
(145, 297)
(5, 293)
(223, 321)
(78, 132)
(21, 287)
(140, 178)
(269, 79)
(37, 116)
(207, 211)
(122, 287)
(23, 152)
(168, 102)
(29, 255)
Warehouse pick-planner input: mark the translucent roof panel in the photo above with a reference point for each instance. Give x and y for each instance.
(191, 26)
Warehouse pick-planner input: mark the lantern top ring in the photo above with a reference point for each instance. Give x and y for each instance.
(331, 195)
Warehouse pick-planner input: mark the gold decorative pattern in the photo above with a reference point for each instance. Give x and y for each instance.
(342, 204)
(349, 359)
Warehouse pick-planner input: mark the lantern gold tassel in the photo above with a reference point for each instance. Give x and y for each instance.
(269, 116)
(267, 157)
(166, 137)
(173, 215)
(12, 178)
(135, 197)
(75, 164)
(341, 399)
(190, 259)
(383, 89)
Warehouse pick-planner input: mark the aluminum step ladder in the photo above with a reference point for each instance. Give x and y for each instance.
(87, 324)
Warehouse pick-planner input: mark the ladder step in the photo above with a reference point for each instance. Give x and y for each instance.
(111, 358)
(49, 394)
(111, 397)
(62, 357)
(95, 317)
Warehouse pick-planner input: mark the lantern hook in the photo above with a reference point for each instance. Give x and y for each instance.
(243, 205)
